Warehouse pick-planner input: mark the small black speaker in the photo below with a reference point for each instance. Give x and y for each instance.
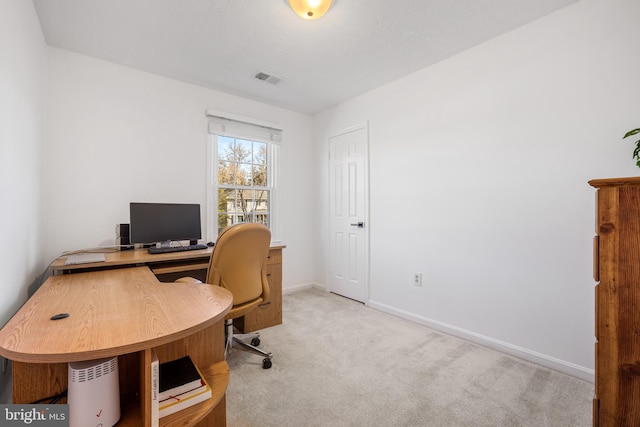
(123, 237)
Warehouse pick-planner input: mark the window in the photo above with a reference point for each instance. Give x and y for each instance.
(243, 190)
(243, 164)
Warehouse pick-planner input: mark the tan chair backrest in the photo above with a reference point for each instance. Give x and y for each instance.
(239, 260)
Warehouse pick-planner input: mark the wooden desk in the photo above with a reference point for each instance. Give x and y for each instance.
(123, 312)
(160, 264)
(170, 266)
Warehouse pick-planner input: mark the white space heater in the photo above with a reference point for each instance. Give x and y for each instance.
(94, 393)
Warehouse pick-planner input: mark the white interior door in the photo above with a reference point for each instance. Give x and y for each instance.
(348, 204)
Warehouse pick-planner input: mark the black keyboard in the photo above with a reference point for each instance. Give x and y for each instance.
(176, 249)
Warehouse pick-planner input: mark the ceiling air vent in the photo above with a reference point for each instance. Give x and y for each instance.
(266, 77)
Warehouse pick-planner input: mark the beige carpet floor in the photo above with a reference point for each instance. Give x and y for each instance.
(339, 363)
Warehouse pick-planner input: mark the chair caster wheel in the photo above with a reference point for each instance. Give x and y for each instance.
(255, 342)
(266, 363)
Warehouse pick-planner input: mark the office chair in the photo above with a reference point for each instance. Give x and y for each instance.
(238, 263)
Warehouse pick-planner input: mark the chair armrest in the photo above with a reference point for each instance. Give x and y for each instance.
(188, 280)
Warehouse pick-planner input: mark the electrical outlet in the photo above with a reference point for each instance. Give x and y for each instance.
(417, 279)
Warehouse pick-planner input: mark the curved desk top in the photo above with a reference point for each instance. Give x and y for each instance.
(112, 312)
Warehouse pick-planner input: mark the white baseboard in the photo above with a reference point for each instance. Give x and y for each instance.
(520, 352)
(303, 286)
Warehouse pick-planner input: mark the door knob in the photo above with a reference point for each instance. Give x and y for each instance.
(358, 224)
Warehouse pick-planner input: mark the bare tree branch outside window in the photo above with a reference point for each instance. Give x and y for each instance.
(242, 179)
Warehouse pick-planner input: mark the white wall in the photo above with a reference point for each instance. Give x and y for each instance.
(22, 120)
(119, 135)
(478, 179)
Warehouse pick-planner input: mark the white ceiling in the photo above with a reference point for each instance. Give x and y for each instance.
(221, 44)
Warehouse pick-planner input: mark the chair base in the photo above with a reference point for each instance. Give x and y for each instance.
(239, 341)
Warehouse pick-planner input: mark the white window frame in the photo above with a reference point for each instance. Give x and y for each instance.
(222, 124)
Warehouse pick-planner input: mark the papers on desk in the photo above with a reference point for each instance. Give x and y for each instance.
(84, 258)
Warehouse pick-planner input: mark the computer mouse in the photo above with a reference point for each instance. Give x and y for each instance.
(210, 244)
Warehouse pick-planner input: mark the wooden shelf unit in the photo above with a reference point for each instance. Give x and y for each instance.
(617, 302)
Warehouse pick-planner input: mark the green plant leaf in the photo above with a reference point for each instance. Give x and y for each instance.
(636, 152)
(631, 132)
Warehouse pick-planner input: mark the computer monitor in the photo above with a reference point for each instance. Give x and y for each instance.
(163, 222)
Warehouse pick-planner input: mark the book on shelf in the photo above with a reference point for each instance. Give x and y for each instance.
(186, 390)
(155, 389)
(174, 404)
(178, 376)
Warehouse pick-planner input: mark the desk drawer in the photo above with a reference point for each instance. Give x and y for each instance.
(275, 256)
(268, 313)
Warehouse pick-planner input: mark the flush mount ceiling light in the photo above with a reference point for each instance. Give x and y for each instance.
(310, 9)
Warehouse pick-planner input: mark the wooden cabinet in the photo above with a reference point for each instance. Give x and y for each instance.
(268, 313)
(126, 313)
(617, 300)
